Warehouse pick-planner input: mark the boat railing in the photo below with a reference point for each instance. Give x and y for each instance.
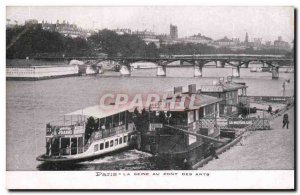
(101, 134)
(53, 130)
(114, 131)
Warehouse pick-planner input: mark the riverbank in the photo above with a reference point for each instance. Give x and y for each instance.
(261, 150)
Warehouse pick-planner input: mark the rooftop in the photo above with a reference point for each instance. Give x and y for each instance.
(184, 102)
(222, 87)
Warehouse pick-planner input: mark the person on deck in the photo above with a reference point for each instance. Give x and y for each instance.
(213, 152)
(285, 121)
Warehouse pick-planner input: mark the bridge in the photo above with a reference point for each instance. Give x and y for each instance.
(197, 61)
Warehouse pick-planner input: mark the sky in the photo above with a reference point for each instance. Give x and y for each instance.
(216, 22)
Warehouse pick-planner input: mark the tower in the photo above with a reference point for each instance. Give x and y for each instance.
(173, 31)
(246, 38)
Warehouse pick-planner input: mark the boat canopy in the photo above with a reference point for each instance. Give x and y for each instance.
(98, 112)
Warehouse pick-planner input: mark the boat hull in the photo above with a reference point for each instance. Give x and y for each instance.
(94, 150)
(45, 159)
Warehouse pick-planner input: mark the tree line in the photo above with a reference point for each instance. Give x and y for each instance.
(32, 40)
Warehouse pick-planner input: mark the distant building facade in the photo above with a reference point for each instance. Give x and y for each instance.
(122, 31)
(31, 22)
(225, 42)
(280, 44)
(197, 39)
(148, 37)
(66, 29)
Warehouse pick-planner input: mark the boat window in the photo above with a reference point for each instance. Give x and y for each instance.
(108, 122)
(125, 139)
(116, 120)
(106, 144)
(102, 123)
(111, 143)
(191, 116)
(80, 145)
(128, 138)
(122, 118)
(101, 146)
(209, 110)
(128, 117)
(178, 118)
(96, 148)
(120, 141)
(116, 141)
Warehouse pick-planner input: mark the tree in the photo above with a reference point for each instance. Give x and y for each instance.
(32, 40)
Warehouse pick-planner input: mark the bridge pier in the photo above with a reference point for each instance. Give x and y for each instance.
(100, 70)
(198, 68)
(236, 72)
(275, 72)
(247, 64)
(220, 64)
(124, 70)
(198, 71)
(181, 62)
(161, 70)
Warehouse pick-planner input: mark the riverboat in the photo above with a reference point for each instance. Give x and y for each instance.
(96, 132)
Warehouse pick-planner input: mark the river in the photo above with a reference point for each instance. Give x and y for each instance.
(32, 104)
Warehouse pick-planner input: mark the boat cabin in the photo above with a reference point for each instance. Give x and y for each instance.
(172, 120)
(229, 92)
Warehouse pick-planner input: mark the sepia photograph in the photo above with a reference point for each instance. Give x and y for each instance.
(142, 93)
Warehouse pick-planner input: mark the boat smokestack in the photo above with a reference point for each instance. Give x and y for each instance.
(192, 88)
(177, 89)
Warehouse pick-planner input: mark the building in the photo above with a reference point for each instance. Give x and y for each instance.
(148, 37)
(280, 44)
(229, 93)
(225, 42)
(166, 40)
(173, 32)
(122, 31)
(66, 29)
(31, 22)
(197, 39)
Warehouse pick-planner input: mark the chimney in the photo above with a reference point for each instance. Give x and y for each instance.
(192, 89)
(178, 89)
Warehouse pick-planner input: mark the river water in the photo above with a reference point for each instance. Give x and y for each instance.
(32, 104)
